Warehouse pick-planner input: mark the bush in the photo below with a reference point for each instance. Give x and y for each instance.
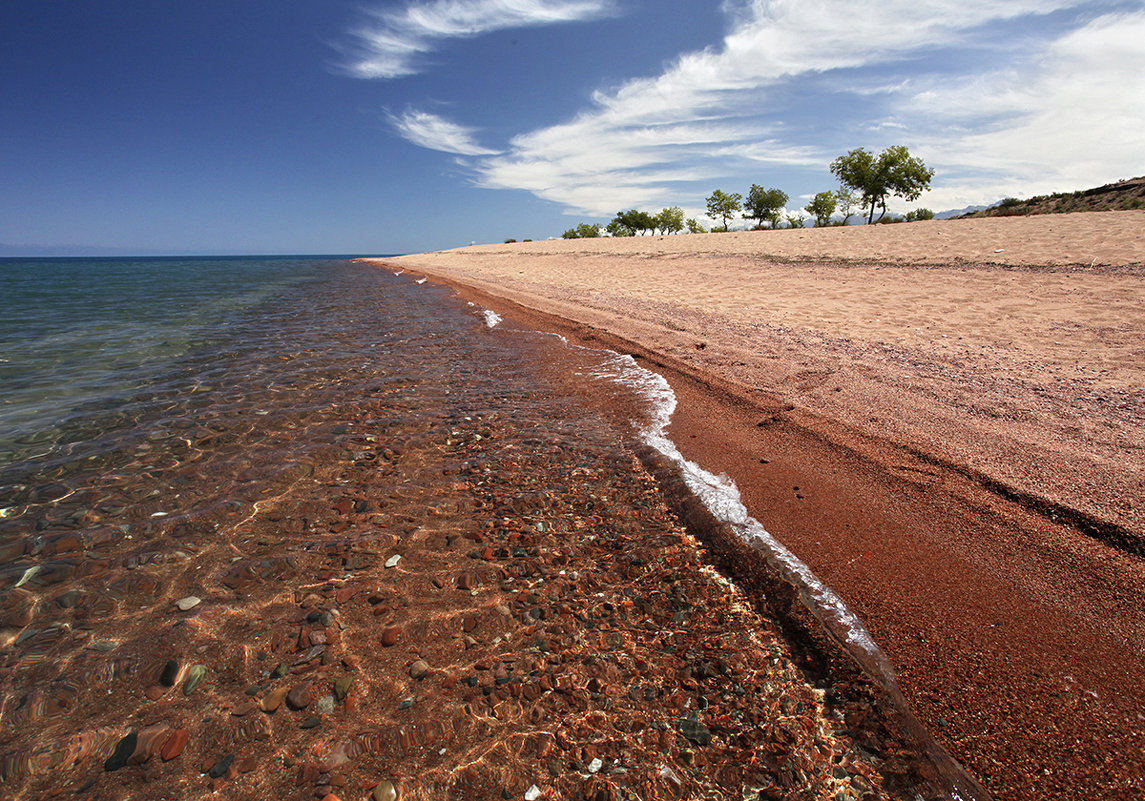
(919, 214)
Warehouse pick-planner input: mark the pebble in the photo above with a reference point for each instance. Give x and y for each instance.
(418, 669)
(188, 603)
(175, 744)
(195, 676)
(326, 705)
(384, 791)
(273, 700)
(220, 768)
(393, 560)
(300, 696)
(694, 731)
(170, 673)
(391, 635)
(342, 687)
(311, 722)
(123, 749)
(533, 793)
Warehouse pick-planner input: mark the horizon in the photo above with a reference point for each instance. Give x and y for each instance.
(401, 127)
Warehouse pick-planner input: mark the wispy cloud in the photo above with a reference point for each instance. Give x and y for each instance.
(721, 111)
(1068, 119)
(395, 42)
(1027, 93)
(437, 133)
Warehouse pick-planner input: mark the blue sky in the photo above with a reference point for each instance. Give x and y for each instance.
(290, 126)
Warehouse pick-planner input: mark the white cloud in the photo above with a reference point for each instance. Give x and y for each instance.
(436, 133)
(392, 45)
(1070, 119)
(1020, 102)
(711, 113)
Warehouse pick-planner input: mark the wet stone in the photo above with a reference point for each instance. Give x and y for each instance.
(174, 744)
(325, 705)
(273, 700)
(220, 768)
(123, 749)
(342, 687)
(170, 673)
(391, 635)
(694, 731)
(311, 723)
(418, 669)
(195, 676)
(188, 603)
(300, 696)
(384, 791)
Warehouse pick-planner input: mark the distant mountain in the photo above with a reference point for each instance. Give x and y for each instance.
(36, 251)
(963, 212)
(1119, 196)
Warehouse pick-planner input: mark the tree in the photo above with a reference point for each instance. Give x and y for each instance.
(636, 222)
(694, 226)
(670, 220)
(919, 214)
(765, 204)
(847, 203)
(615, 228)
(582, 231)
(893, 172)
(723, 206)
(795, 220)
(821, 207)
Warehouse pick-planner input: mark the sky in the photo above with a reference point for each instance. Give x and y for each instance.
(369, 127)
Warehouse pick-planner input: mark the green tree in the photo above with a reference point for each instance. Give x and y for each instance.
(694, 226)
(615, 228)
(795, 221)
(670, 220)
(765, 204)
(637, 222)
(893, 172)
(821, 207)
(723, 206)
(919, 214)
(582, 231)
(848, 203)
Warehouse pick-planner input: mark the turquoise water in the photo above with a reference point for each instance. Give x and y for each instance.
(78, 335)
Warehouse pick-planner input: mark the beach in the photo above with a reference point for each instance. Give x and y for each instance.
(942, 419)
(337, 533)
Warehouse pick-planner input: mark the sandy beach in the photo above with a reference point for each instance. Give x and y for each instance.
(943, 419)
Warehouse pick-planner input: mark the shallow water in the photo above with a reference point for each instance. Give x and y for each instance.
(231, 452)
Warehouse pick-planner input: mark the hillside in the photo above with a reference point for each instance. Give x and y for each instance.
(1119, 196)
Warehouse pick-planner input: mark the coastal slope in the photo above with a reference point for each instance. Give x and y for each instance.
(943, 419)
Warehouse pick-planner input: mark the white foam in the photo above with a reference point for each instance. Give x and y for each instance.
(491, 317)
(421, 280)
(722, 498)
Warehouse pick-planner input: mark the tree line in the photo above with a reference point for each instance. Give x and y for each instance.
(866, 181)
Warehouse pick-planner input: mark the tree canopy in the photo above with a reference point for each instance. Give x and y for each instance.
(724, 206)
(893, 172)
(821, 207)
(631, 222)
(670, 220)
(582, 231)
(765, 204)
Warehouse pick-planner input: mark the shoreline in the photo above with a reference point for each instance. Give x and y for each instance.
(899, 532)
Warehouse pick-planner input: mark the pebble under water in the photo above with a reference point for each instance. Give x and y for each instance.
(356, 540)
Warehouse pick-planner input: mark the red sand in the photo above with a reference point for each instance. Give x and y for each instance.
(946, 426)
